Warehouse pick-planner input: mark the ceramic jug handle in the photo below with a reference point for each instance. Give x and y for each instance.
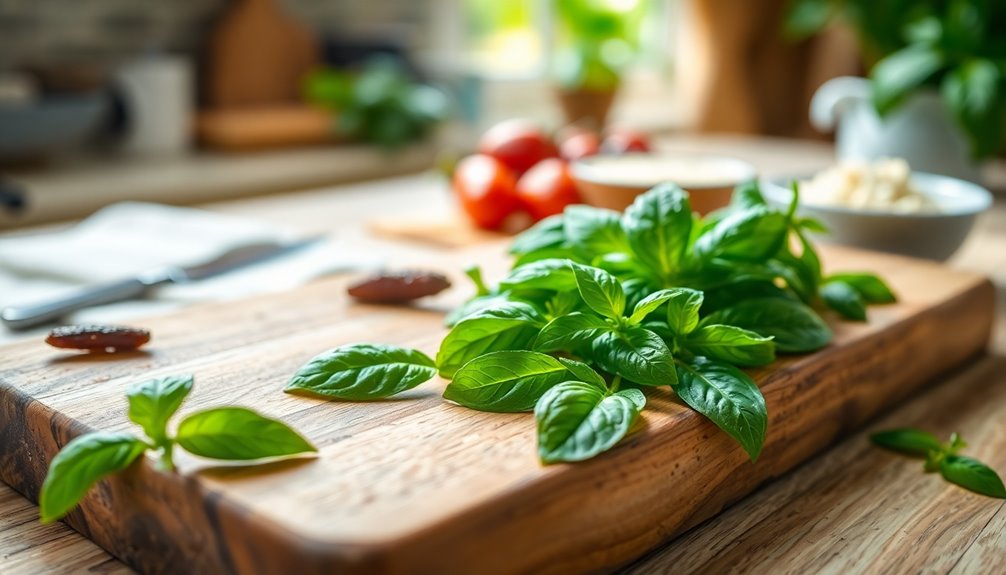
(832, 97)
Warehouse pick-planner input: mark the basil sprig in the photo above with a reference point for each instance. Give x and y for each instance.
(227, 433)
(966, 472)
(600, 306)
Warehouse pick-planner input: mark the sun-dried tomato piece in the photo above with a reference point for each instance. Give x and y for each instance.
(98, 337)
(398, 287)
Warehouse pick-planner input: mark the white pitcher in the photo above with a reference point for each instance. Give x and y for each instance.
(920, 130)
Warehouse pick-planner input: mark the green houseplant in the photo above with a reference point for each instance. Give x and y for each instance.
(595, 41)
(956, 48)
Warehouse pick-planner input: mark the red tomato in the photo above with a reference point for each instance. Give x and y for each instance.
(579, 146)
(519, 144)
(486, 190)
(547, 188)
(622, 141)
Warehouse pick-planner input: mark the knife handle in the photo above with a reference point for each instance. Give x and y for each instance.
(23, 317)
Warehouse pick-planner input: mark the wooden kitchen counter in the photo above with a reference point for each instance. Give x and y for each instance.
(854, 508)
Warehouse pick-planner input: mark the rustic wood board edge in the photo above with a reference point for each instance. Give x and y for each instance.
(163, 531)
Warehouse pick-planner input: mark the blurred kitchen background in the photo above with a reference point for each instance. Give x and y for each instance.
(187, 101)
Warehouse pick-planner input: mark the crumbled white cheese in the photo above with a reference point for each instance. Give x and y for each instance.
(884, 185)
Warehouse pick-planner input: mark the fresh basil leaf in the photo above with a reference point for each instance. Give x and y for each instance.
(870, 287)
(908, 441)
(547, 233)
(728, 295)
(634, 395)
(955, 444)
(751, 235)
(813, 225)
(844, 299)
(900, 73)
(475, 274)
(683, 310)
(153, 402)
(973, 475)
(974, 93)
(82, 463)
(728, 397)
(361, 372)
(583, 372)
(506, 381)
(477, 304)
(570, 332)
(661, 328)
(238, 434)
(562, 303)
(595, 230)
(731, 344)
(794, 327)
(658, 226)
(798, 277)
(577, 421)
(649, 304)
(746, 196)
(802, 273)
(550, 274)
(544, 254)
(513, 325)
(636, 289)
(637, 354)
(599, 290)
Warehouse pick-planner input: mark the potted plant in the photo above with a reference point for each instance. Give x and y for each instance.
(594, 42)
(936, 93)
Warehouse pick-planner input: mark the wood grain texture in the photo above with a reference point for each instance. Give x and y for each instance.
(30, 547)
(860, 509)
(419, 485)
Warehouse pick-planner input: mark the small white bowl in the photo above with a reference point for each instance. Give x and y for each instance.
(929, 235)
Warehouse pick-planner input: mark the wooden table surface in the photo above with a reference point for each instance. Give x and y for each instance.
(851, 509)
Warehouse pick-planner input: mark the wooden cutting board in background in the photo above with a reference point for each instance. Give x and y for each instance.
(416, 484)
(258, 56)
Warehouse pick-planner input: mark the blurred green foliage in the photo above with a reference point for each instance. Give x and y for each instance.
(597, 38)
(379, 104)
(955, 46)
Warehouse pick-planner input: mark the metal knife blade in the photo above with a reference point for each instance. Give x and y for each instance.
(26, 316)
(238, 258)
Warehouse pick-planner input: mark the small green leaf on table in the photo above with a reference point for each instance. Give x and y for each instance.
(362, 372)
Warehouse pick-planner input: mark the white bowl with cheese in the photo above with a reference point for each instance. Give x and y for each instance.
(914, 214)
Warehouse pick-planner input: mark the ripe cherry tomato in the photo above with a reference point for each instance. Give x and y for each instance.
(579, 146)
(547, 189)
(621, 141)
(519, 144)
(485, 188)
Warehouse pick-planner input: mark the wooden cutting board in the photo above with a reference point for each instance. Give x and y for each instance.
(258, 56)
(418, 485)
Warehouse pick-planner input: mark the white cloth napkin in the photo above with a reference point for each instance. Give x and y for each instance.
(126, 239)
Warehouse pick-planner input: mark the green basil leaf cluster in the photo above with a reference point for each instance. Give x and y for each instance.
(600, 305)
(966, 472)
(227, 433)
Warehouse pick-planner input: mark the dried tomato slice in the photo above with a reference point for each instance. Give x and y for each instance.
(98, 337)
(398, 287)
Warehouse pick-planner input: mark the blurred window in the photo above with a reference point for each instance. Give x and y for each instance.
(524, 38)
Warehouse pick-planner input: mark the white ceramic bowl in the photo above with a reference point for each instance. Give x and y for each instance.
(932, 235)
